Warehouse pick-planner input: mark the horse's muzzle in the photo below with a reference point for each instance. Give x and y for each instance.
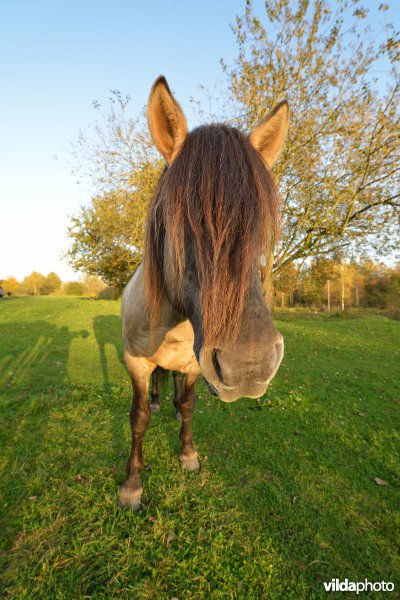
(213, 391)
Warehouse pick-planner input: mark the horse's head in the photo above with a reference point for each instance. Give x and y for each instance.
(213, 215)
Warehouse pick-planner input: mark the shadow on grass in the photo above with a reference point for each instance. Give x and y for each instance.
(34, 355)
(302, 466)
(33, 366)
(302, 474)
(33, 362)
(107, 330)
(299, 471)
(305, 486)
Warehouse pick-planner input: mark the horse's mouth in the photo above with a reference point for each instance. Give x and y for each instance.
(213, 391)
(230, 395)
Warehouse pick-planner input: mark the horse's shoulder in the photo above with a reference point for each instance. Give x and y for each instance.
(183, 332)
(138, 338)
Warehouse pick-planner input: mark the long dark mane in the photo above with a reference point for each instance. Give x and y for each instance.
(219, 193)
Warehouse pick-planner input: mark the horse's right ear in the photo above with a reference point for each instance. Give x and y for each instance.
(167, 123)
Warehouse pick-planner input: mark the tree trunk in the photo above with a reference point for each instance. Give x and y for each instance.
(329, 295)
(342, 285)
(266, 280)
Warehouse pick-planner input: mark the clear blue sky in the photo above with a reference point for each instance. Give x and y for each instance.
(56, 57)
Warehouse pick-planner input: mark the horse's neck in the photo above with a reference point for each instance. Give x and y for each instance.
(138, 338)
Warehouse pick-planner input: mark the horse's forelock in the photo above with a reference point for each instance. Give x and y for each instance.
(220, 192)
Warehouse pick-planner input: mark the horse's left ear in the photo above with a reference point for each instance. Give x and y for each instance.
(167, 123)
(268, 137)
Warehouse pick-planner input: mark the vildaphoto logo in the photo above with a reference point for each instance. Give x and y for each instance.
(358, 586)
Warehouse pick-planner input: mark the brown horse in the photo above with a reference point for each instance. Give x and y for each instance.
(195, 305)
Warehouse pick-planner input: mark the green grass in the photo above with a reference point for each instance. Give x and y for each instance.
(285, 499)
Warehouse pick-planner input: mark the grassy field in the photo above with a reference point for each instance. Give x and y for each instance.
(285, 499)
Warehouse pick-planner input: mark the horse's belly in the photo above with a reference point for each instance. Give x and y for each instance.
(176, 351)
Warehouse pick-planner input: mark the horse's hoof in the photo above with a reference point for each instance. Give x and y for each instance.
(129, 499)
(178, 416)
(190, 463)
(155, 408)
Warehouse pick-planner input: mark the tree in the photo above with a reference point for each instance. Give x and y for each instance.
(285, 282)
(93, 286)
(314, 282)
(107, 236)
(51, 283)
(32, 283)
(10, 285)
(73, 288)
(323, 275)
(116, 149)
(343, 284)
(358, 283)
(382, 288)
(339, 173)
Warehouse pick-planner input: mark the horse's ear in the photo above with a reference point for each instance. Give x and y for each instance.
(167, 123)
(268, 137)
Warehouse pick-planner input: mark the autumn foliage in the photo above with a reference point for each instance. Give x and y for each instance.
(339, 172)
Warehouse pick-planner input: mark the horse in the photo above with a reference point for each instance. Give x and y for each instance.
(195, 304)
(155, 396)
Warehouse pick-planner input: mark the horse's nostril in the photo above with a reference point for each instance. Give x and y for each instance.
(217, 366)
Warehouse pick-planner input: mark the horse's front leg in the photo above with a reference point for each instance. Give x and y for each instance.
(188, 457)
(130, 492)
(155, 401)
(179, 379)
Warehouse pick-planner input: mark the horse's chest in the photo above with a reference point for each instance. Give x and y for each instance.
(176, 351)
